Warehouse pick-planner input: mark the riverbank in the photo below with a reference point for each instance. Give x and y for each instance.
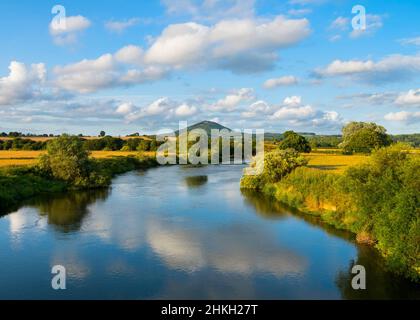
(21, 183)
(378, 201)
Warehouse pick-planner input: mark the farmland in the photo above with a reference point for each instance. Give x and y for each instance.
(23, 158)
(325, 161)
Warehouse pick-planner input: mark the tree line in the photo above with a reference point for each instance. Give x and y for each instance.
(107, 143)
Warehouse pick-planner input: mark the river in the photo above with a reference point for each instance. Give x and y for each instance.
(182, 233)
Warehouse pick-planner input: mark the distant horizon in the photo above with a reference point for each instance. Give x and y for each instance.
(175, 130)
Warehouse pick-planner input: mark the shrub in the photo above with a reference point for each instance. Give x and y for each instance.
(294, 141)
(276, 165)
(67, 160)
(386, 192)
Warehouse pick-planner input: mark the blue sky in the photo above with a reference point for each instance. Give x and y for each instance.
(141, 66)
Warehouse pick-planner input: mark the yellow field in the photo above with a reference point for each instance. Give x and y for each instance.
(324, 161)
(23, 158)
(334, 162)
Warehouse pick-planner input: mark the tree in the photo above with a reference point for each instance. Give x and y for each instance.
(67, 159)
(102, 133)
(144, 145)
(294, 141)
(276, 165)
(364, 137)
(386, 193)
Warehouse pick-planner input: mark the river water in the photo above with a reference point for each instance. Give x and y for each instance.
(182, 233)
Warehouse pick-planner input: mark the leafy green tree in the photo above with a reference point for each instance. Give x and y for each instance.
(67, 159)
(386, 191)
(102, 134)
(144, 145)
(273, 167)
(292, 140)
(364, 137)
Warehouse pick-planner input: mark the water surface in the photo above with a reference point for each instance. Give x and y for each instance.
(181, 233)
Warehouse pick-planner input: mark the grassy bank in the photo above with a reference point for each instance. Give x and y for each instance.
(378, 200)
(20, 183)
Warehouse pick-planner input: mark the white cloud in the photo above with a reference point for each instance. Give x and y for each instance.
(404, 116)
(107, 71)
(125, 108)
(185, 110)
(410, 41)
(294, 113)
(22, 83)
(328, 118)
(68, 33)
(282, 81)
(130, 54)
(231, 101)
(412, 97)
(160, 109)
(391, 68)
(373, 24)
(292, 101)
(338, 68)
(258, 108)
(340, 23)
(243, 40)
(121, 26)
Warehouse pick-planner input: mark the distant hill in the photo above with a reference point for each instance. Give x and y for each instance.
(206, 126)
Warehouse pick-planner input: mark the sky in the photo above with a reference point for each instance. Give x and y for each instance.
(143, 66)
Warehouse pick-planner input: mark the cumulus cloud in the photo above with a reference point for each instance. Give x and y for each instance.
(232, 100)
(279, 82)
(68, 32)
(23, 83)
(121, 26)
(391, 68)
(410, 98)
(239, 40)
(404, 117)
(293, 112)
(162, 108)
(257, 108)
(125, 108)
(130, 54)
(185, 110)
(107, 71)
